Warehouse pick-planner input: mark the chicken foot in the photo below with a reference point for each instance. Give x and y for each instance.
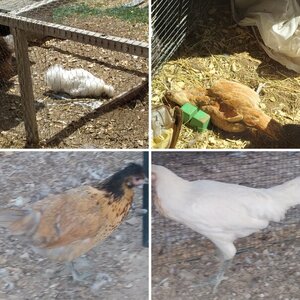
(77, 277)
(218, 277)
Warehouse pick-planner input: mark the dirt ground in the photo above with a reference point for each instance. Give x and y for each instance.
(267, 265)
(216, 48)
(118, 266)
(266, 273)
(81, 123)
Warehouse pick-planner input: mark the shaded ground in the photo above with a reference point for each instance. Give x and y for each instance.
(266, 273)
(218, 48)
(119, 265)
(75, 123)
(267, 265)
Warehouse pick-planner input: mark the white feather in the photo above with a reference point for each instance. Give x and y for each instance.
(221, 211)
(10, 41)
(76, 82)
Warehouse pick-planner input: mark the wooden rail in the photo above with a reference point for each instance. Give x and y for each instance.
(26, 90)
(75, 34)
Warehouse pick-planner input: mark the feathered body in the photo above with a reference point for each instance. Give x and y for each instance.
(66, 225)
(76, 82)
(221, 211)
(232, 106)
(9, 39)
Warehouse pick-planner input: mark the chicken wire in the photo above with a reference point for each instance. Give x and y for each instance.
(15, 5)
(107, 50)
(173, 242)
(6, 68)
(170, 24)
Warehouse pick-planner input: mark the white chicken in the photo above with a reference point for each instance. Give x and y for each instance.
(222, 212)
(76, 82)
(10, 42)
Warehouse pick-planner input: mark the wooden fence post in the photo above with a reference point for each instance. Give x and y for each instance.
(27, 98)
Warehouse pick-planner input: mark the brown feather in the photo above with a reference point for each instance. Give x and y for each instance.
(69, 224)
(232, 106)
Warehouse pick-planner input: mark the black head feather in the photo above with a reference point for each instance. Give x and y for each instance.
(115, 183)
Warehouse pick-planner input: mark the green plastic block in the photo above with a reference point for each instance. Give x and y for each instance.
(188, 111)
(200, 121)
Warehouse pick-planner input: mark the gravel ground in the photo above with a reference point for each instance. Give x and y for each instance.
(119, 265)
(265, 273)
(267, 265)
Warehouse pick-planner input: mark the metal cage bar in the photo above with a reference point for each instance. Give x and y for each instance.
(169, 25)
(146, 203)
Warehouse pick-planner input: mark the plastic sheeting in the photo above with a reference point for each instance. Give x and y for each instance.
(278, 22)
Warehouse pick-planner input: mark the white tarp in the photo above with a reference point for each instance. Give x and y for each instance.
(278, 22)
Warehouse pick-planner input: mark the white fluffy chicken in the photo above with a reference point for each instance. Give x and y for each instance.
(222, 212)
(9, 39)
(76, 82)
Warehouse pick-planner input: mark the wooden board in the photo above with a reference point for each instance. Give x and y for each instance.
(79, 35)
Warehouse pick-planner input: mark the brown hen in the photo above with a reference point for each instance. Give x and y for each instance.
(232, 106)
(66, 225)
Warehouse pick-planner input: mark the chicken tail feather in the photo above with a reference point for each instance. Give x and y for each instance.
(288, 192)
(19, 221)
(274, 130)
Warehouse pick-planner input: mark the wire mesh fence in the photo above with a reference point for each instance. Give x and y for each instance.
(267, 262)
(80, 56)
(169, 25)
(254, 169)
(15, 5)
(171, 22)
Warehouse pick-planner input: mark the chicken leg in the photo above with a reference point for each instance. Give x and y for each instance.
(218, 277)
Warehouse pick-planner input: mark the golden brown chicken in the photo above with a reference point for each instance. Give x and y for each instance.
(66, 225)
(5, 60)
(232, 106)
